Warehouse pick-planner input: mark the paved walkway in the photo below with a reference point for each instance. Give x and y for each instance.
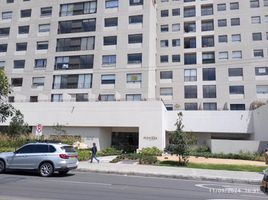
(132, 168)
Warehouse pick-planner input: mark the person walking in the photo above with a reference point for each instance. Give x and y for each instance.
(94, 153)
(266, 156)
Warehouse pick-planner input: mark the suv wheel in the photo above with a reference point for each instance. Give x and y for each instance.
(2, 166)
(46, 169)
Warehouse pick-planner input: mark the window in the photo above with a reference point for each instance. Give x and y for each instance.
(234, 6)
(164, 59)
(255, 20)
(38, 81)
(221, 7)
(256, 36)
(80, 8)
(232, 72)
(237, 54)
(107, 97)
(208, 57)
(209, 74)
(46, 11)
(44, 28)
(4, 32)
(176, 58)
(42, 45)
(265, 2)
(190, 75)
(11, 99)
(189, 58)
(166, 75)
(208, 41)
(261, 71)
(110, 40)
(134, 78)
(209, 106)
(262, 89)
(175, 27)
(136, 19)
(19, 64)
(133, 97)
(164, 13)
(21, 46)
(190, 106)
(2, 65)
(109, 60)
(25, 13)
(56, 98)
(135, 58)
(26, 149)
(3, 48)
(223, 55)
(23, 29)
(254, 3)
(76, 44)
(164, 28)
(76, 26)
(166, 91)
(33, 98)
(6, 15)
(235, 21)
(189, 27)
(209, 91)
(110, 22)
(169, 106)
(236, 89)
(189, 12)
(16, 82)
(223, 39)
(111, 4)
(74, 62)
(206, 10)
(207, 25)
(72, 81)
(258, 53)
(134, 38)
(135, 2)
(190, 91)
(175, 12)
(237, 107)
(40, 63)
(10, 1)
(236, 38)
(222, 22)
(189, 42)
(163, 43)
(176, 42)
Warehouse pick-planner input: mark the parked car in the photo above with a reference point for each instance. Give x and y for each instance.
(264, 183)
(45, 158)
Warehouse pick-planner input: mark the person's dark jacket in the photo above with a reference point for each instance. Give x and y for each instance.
(94, 150)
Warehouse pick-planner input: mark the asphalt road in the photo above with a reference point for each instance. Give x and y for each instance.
(86, 186)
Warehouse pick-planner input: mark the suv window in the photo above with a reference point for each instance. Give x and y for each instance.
(41, 148)
(26, 149)
(51, 149)
(68, 149)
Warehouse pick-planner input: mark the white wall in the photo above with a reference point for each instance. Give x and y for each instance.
(261, 123)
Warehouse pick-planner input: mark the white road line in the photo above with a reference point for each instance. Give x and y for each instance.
(79, 182)
(257, 196)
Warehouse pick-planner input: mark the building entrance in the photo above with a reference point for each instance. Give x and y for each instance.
(128, 142)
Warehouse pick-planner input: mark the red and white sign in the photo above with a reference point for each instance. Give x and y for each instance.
(39, 130)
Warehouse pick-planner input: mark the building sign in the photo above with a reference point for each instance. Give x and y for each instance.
(39, 130)
(150, 138)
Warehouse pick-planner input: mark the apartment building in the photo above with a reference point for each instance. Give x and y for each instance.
(203, 55)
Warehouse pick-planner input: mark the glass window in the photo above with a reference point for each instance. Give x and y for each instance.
(190, 42)
(235, 72)
(190, 91)
(261, 71)
(209, 74)
(19, 64)
(189, 11)
(237, 54)
(108, 59)
(255, 20)
(190, 106)
(207, 25)
(110, 40)
(209, 106)
(256, 36)
(190, 75)
(163, 43)
(46, 11)
(38, 81)
(175, 27)
(164, 13)
(80, 8)
(23, 29)
(110, 22)
(223, 55)
(134, 78)
(258, 53)
(175, 12)
(21, 46)
(164, 28)
(26, 149)
(2, 65)
(44, 28)
(3, 48)
(235, 21)
(4, 32)
(208, 57)
(254, 3)
(222, 22)
(133, 97)
(6, 15)
(166, 75)
(176, 58)
(262, 89)
(189, 27)
(108, 79)
(107, 97)
(237, 107)
(16, 82)
(166, 91)
(25, 13)
(136, 19)
(134, 38)
(206, 10)
(189, 58)
(135, 2)
(221, 7)
(176, 42)
(56, 98)
(135, 58)
(208, 41)
(164, 58)
(40, 63)
(209, 91)
(236, 89)
(236, 38)
(111, 4)
(234, 5)
(223, 39)
(42, 45)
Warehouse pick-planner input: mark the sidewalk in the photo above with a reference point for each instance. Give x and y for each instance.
(171, 172)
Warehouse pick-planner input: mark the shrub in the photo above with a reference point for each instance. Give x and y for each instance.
(153, 151)
(109, 152)
(83, 154)
(147, 160)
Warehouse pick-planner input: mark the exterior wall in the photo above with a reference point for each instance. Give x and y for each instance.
(260, 123)
(236, 146)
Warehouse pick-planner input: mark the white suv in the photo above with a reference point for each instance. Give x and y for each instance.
(46, 158)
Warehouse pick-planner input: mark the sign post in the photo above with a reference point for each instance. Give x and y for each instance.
(38, 131)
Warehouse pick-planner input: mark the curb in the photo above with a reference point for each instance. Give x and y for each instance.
(186, 177)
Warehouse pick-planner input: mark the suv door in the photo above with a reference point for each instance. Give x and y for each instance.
(21, 157)
(40, 154)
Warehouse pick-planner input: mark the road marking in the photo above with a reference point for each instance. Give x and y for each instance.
(254, 196)
(79, 182)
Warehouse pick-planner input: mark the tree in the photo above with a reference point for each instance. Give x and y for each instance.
(6, 109)
(180, 142)
(17, 125)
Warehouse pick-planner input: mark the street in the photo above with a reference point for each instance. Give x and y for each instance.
(84, 186)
